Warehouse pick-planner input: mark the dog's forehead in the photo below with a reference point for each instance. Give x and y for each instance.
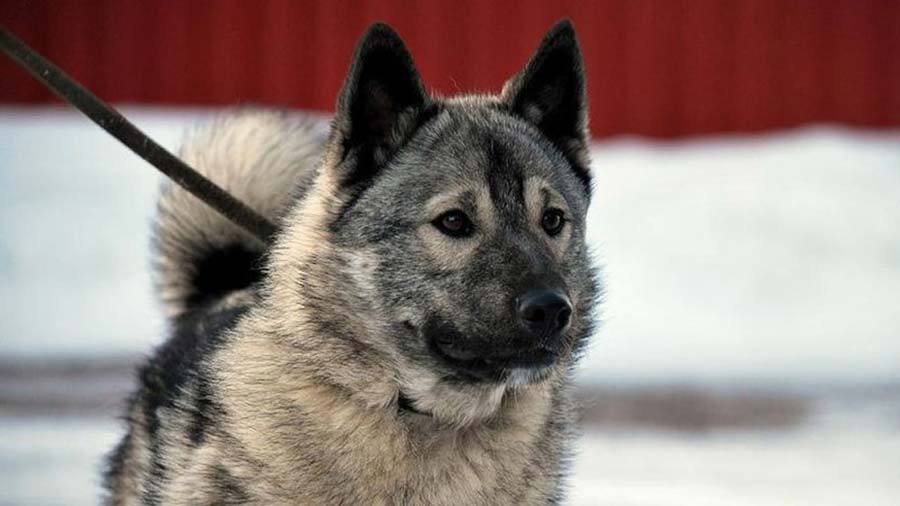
(492, 147)
(477, 156)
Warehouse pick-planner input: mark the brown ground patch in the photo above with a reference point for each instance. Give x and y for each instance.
(691, 408)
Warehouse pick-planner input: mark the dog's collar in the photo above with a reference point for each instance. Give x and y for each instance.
(404, 403)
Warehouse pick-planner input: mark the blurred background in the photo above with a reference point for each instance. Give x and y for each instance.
(746, 216)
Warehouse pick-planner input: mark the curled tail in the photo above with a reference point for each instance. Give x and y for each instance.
(259, 156)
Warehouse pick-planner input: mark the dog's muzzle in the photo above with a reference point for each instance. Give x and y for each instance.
(541, 319)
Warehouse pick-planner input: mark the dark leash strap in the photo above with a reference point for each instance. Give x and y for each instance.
(113, 122)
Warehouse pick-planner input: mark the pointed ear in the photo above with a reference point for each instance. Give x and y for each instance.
(550, 93)
(379, 104)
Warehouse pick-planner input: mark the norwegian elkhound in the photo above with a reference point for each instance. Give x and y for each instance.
(409, 335)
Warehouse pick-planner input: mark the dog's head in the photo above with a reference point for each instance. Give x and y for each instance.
(452, 239)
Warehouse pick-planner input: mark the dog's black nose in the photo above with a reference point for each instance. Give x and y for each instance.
(544, 313)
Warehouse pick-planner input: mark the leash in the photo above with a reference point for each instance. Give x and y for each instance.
(137, 141)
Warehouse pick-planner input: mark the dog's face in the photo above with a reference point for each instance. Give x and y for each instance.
(469, 216)
(477, 227)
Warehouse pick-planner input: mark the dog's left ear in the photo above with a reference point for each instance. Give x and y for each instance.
(379, 104)
(550, 92)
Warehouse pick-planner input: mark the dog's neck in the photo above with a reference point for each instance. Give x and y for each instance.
(311, 409)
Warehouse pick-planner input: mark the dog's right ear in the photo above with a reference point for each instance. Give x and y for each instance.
(379, 104)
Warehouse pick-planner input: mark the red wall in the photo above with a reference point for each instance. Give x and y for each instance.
(662, 68)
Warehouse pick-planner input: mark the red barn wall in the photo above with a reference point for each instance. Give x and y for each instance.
(663, 68)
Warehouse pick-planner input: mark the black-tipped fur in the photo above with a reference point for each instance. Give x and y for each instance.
(259, 156)
(379, 104)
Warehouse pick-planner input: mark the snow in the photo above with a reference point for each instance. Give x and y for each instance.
(772, 258)
(846, 459)
(749, 258)
(753, 257)
(52, 462)
(816, 468)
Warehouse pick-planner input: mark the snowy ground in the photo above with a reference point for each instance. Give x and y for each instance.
(743, 257)
(771, 260)
(829, 466)
(849, 455)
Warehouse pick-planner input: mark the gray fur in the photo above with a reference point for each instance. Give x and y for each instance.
(257, 156)
(319, 382)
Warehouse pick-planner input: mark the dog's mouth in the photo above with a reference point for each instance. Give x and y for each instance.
(478, 359)
(473, 362)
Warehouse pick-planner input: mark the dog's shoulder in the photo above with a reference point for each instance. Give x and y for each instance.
(176, 376)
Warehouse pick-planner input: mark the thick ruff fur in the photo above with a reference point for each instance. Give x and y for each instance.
(305, 372)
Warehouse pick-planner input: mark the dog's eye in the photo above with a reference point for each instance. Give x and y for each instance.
(552, 221)
(454, 223)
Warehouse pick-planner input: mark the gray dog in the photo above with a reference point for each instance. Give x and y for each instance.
(409, 335)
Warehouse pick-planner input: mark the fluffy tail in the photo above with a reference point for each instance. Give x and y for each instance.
(258, 156)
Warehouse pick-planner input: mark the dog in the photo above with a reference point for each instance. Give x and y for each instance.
(409, 334)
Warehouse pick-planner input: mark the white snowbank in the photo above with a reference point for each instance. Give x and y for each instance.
(834, 463)
(755, 257)
(773, 257)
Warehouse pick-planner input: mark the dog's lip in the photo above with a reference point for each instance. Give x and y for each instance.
(454, 351)
(470, 358)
